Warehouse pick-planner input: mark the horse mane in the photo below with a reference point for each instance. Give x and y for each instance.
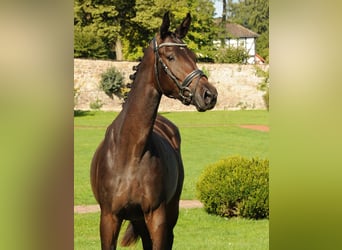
(132, 77)
(135, 69)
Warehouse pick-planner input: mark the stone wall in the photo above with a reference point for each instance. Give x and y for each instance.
(236, 85)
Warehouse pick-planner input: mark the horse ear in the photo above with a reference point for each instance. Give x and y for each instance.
(164, 28)
(183, 29)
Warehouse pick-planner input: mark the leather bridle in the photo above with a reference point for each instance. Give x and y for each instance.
(185, 92)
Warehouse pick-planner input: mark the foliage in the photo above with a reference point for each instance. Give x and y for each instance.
(202, 31)
(148, 20)
(112, 83)
(76, 95)
(107, 19)
(262, 46)
(231, 55)
(264, 85)
(236, 186)
(96, 105)
(134, 23)
(108, 28)
(255, 16)
(88, 45)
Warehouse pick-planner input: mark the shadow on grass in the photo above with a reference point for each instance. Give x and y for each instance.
(164, 113)
(83, 113)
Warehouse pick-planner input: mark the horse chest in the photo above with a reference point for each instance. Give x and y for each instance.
(150, 181)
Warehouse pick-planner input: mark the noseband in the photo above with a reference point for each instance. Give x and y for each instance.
(184, 91)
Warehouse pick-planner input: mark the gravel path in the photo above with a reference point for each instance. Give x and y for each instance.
(263, 128)
(82, 209)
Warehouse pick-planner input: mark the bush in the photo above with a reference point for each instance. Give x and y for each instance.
(231, 55)
(112, 83)
(96, 105)
(236, 186)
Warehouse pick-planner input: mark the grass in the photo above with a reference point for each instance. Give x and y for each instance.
(195, 230)
(206, 138)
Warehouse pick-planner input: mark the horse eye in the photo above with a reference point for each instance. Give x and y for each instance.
(170, 58)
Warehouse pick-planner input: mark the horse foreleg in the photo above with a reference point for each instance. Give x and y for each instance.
(157, 227)
(109, 231)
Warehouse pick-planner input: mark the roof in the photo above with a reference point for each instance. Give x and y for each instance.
(237, 31)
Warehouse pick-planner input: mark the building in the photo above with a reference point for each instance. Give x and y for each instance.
(236, 35)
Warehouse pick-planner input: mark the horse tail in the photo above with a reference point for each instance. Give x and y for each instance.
(131, 236)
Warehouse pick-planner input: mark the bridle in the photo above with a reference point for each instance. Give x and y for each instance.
(185, 92)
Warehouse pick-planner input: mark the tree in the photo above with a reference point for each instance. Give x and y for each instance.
(126, 26)
(88, 45)
(202, 31)
(148, 20)
(106, 19)
(226, 10)
(255, 16)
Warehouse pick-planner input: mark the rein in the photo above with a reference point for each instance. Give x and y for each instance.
(184, 90)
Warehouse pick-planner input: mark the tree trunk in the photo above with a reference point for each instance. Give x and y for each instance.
(118, 49)
(224, 11)
(223, 23)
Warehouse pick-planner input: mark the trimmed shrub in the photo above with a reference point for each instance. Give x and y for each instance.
(236, 186)
(112, 83)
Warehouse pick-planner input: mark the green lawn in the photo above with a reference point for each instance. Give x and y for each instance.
(195, 230)
(206, 138)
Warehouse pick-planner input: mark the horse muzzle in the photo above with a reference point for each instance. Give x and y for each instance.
(205, 98)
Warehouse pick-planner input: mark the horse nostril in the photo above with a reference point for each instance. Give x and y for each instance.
(208, 97)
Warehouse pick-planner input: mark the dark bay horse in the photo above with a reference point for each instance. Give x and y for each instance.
(137, 171)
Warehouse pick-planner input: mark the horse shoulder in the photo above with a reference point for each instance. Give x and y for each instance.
(168, 130)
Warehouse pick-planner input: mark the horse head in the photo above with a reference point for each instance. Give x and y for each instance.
(177, 75)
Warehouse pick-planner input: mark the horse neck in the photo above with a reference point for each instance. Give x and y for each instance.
(135, 122)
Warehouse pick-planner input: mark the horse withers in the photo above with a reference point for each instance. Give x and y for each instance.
(137, 171)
